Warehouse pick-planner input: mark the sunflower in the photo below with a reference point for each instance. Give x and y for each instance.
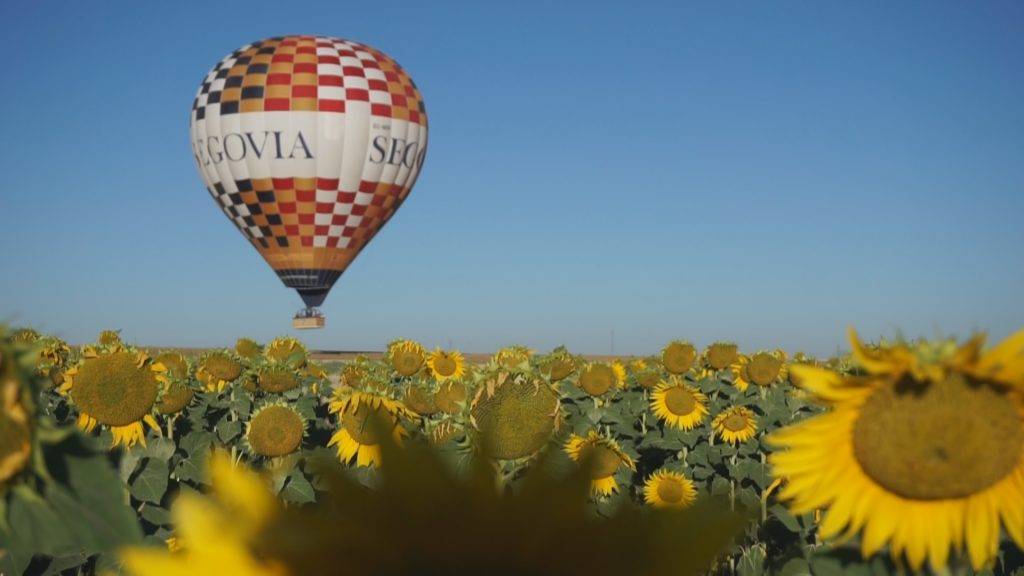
(52, 358)
(118, 389)
(679, 404)
(356, 437)
(559, 365)
(275, 430)
(736, 425)
(721, 355)
(218, 369)
(515, 415)
(287, 350)
(15, 425)
(450, 397)
(620, 373)
(443, 432)
(214, 534)
(406, 357)
(110, 339)
(605, 457)
(248, 348)
(668, 489)
(177, 393)
(678, 356)
(24, 336)
(353, 374)
(923, 449)
(597, 379)
(420, 400)
(446, 365)
(278, 379)
(648, 379)
(512, 356)
(314, 370)
(762, 369)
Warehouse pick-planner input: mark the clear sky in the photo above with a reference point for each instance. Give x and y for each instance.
(768, 173)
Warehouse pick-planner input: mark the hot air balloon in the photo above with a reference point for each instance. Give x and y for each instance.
(309, 145)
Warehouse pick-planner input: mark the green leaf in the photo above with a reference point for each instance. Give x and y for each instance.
(191, 470)
(129, 462)
(795, 567)
(36, 526)
(788, 520)
(197, 442)
(298, 489)
(228, 430)
(156, 515)
(160, 448)
(150, 484)
(95, 508)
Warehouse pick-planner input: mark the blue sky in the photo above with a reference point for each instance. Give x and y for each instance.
(768, 174)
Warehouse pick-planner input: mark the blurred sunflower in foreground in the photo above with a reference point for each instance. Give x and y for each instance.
(922, 450)
(426, 519)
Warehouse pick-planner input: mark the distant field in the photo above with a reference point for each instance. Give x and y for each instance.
(346, 355)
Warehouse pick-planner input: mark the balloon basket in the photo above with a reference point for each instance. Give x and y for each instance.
(308, 319)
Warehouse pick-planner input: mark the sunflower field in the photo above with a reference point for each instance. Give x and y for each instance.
(900, 457)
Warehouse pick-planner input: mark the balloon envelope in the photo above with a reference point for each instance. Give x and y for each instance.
(309, 144)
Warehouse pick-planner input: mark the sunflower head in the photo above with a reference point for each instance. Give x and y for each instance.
(217, 369)
(620, 373)
(16, 416)
(248, 348)
(559, 365)
(765, 368)
(721, 355)
(735, 425)
(52, 359)
(450, 397)
(278, 378)
(176, 365)
(648, 378)
(678, 356)
(668, 489)
(364, 416)
(275, 430)
(24, 336)
(925, 435)
(603, 455)
(286, 350)
(420, 400)
(176, 396)
(406, 357)
(512, 357)
(514, 414)
(110, 339)
(679, 404)
(446, 365)
(314, 370)
(597, 379)
(117, 388)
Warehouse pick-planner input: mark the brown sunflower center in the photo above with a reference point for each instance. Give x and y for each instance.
(277, 380)
(359, 423)
(670, 490)
(176, 397)
(721, 356)
(763, 368)
(678, 357)
(450, 396)
(420, 401)
(597, 379)
(648, 379)
(603, 460)
(222, 368)
(680, 401)
(444, 365)
(735, 422)
(939, 440)
(114, 389)
(408, 362)
(177, 366)
(275, 431)
(561, 368)
(518, 420)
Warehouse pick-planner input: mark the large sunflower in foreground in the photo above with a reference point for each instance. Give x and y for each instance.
(679, 404)
(605, 457)
(668, 489)
(735, 425)
(923, 452)
(446, 365)
(357, 437)
(116, 388)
